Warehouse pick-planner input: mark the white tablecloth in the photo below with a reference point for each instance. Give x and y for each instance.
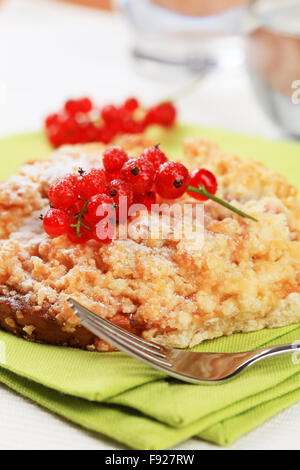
(50, 51)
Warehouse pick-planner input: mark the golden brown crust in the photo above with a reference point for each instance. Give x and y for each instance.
(22, 319)
(244, 275)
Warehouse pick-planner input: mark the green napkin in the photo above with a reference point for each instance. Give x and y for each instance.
(118, 396)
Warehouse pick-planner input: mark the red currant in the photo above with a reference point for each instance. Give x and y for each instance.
(166, 114)
(83, 105)
(92, 182)
(106, 134)
(146, 199)
(71, 107)
(204, 178)
(114, 158)
(131, 126)
(155, 156)
(122, 195)
(51, 120)
(88, 132)
(151, 116)
(131, 104)
(110, 114)
(85, 235)
(111, 176)
(118, 188)
(55, 136)
(56, 222)
(113, 128)
(72, 178)
(63, 194)
(172, 180)
(98, 201)
(70, 129)
(139, 173)
(75, 209)
(163, 114)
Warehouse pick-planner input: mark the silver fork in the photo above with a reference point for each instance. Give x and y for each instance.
(188, 366)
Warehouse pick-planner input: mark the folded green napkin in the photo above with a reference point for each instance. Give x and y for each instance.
(120, 397)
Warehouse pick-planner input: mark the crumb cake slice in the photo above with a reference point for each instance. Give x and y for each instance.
(245, 275)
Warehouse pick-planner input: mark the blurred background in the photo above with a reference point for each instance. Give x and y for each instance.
(244, 55)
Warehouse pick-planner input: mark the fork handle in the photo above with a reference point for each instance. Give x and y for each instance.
(255, 356)
(198, 367)
(239, 361)
(229, 365)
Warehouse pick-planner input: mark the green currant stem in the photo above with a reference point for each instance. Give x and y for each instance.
(201, 190)
(79, 222)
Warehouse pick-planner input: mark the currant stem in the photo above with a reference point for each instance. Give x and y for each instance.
(79, 219)
(201, 190)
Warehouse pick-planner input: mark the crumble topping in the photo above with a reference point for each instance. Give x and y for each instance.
(244, 276)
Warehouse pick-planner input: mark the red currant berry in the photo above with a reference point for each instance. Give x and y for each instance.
(131, 126)
(110, 114)
(88, 132)
(92, 182)
(163, 114)
(85, 235)
(71, 107)
(99, 206)
(131, 104)
(106, 134)
(118, 188)
(55, 136)
(72, 178)
(155, 156)
(172, 180)
(70, 129)
(56, 222)
(62, 193)
(113, 128)
(111, 176)
(203, 178)
(114, 158)
(122, 195)
(166, 114)
(151, 116)
(85, 105)
(75, 209)
(51, 120)
(139, 173)
(146, 199)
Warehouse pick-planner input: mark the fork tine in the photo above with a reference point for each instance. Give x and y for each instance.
(102, 328)
(123, 344)
(112, 326)
(122, 338)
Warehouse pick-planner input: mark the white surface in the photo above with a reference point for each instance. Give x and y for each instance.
(49, 52)
(24, 425)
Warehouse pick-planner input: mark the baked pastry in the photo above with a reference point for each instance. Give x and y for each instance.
(243, 277)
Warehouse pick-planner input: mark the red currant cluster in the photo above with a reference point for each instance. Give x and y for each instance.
(81, 122)
(84, 205)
